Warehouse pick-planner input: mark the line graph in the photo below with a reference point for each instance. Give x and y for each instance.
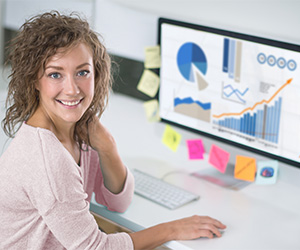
(263, 123)
(256, 104)
(233, 94)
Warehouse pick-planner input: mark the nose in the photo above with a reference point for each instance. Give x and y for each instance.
(71, 88)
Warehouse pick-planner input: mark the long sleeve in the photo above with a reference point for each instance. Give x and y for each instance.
(114, 202)
(44, 204)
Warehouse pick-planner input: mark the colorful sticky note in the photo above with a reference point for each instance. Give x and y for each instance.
(148, 83)
(218, 158)
(152, 110)
(152, 57)
(171, 138)
(267, 172)
(245, 168)
(195, 149)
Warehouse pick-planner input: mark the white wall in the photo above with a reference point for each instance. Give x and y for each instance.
(128, 26)
(17, 11)
(1, 32)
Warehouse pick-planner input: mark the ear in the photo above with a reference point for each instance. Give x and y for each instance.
(37, 85)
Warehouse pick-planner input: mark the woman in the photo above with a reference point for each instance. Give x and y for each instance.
(61, 153)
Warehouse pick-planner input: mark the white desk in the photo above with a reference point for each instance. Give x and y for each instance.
(257, 217)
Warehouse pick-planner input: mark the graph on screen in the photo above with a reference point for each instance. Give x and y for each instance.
(241, 89)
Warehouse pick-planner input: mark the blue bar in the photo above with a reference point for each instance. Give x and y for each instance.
(254, 123)
(276, 121)
(272, 123)
(247, 123)
(250, 124)
(259, 124)
(225, 55)
(267, 125)
(231, 58)
(278, 112)
(244, 123)
(241, 124)
(269, 121)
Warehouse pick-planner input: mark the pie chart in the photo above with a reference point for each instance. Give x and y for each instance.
(192, 63)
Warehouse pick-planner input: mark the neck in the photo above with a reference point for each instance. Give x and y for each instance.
(64, 131)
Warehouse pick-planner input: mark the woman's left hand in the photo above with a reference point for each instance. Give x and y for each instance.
(113, 170)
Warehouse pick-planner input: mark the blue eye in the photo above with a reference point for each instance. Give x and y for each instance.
(55, 75)
(83, 72)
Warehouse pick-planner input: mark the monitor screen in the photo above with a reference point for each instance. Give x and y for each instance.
(234, 87)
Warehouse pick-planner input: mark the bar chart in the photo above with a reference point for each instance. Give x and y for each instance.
(232, 58)
(262, 120)
(262, 124)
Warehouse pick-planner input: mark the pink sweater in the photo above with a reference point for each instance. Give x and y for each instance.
(45, 195)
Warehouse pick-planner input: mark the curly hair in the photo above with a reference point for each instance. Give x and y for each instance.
(38, 39)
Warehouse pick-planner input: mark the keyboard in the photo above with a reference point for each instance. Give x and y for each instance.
(161, 192)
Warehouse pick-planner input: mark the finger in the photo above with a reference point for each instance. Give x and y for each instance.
(217, 223)
(214, 230)
(205, 234)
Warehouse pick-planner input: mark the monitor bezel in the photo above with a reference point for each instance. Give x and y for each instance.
(236, 35)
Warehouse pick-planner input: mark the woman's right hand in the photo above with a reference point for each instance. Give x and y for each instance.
(195, 227)
(183, 229)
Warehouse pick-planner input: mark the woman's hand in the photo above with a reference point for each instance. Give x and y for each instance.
(195, 227)
(113, 170)
(100, 138)
(183, 229)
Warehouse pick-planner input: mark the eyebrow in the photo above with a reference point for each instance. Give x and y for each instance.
(61, 68)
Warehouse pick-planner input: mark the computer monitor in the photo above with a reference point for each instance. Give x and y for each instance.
(237, 88)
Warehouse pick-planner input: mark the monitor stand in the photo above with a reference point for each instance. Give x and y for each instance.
(225, 180)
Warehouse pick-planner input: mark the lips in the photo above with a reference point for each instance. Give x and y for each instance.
(70, 103)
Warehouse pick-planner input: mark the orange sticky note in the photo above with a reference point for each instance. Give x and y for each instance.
(245, 168)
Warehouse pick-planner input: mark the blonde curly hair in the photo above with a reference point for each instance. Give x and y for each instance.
(39, 39)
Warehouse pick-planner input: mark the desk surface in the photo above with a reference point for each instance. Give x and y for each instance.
(257, 217)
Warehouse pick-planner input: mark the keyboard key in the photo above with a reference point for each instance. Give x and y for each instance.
(160, 191)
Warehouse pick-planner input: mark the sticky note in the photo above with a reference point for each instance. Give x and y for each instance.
(218, 158)
(245, 168)
(148, 83)
(195, 149)
(152, 110)
(267, 172)
(171, 138)
(152, 57)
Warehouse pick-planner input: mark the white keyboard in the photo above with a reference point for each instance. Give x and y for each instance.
(160, 191)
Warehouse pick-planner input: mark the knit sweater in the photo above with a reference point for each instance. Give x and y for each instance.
(45, 195)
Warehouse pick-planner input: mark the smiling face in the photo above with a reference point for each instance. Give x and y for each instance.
(66, 87)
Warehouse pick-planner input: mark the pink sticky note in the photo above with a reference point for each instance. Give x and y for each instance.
(195, 148)
(218, 158)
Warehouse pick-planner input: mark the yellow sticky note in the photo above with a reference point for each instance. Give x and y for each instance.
(152, 110)
(171, 138)
(152, 57)
(149, 83)
(245, 168)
